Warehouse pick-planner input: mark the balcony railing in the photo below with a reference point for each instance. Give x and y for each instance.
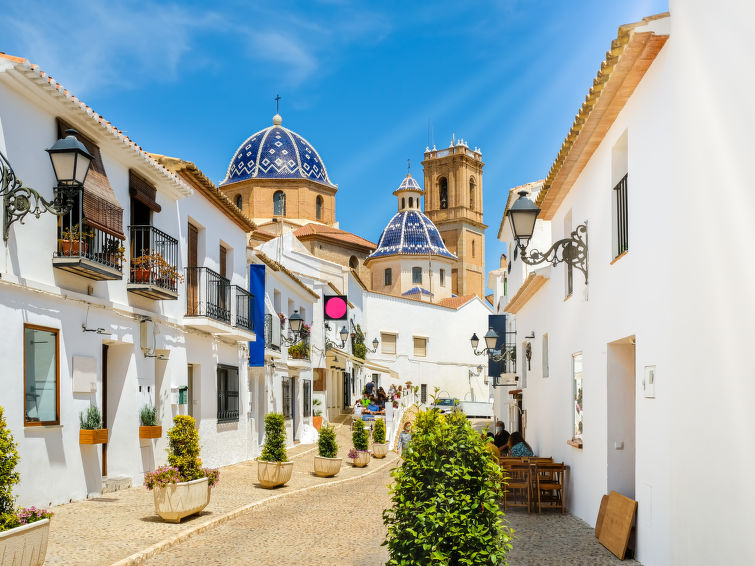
(300, 350)
(87, 251)
(208, 294)
(243, 315)
(272, 332)
(154, 263)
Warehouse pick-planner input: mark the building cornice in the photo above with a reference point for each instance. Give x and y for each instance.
(275, 266)
(528, 289)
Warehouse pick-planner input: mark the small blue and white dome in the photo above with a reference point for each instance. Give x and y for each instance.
(410, 232)
(276, 153)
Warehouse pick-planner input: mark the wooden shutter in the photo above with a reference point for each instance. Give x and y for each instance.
(223, 256)
(420, 347)
(389, 343)
(140, 189)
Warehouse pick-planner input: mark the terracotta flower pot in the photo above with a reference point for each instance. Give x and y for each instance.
(73, 247)
(362, 459)
(25, 545)
(141, 275)
(95, 436)
(150, 431)
(317, 422)
(273, 474)
(379, 450)
(327, 467)
(179, 500)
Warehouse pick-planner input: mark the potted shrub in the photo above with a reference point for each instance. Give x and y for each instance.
(299, 351)
(72, 240)
(113, 252)
(149, 427)
(360, 438)
(91, 429)
(326, 464)
(379, 445)
(273, 467)
(181, 488)
(447, 462)
(317, 417)
(23, 532)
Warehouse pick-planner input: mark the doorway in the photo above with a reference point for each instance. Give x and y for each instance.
(620, 406)
(192, 273)
(104, 404)
(294, 416)
(346, 390)
(190, 392)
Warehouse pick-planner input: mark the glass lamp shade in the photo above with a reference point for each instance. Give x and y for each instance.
(475, 341)
(522, 215)
(375, 343)
(344, 334)
(491, 339)
(70, 160)
(295, 321)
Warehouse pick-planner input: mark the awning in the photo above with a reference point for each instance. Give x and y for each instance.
(142, 191)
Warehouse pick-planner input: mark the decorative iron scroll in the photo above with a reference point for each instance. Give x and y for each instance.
(572, 251)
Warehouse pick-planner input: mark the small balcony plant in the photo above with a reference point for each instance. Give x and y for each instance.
(273, 467)
(153, 268)
(299, 351)
(23, 532)
(91, 429)
(181, 488)
(360, 438)
(73, 240)
(326, 463)
(113, 252)
(149, 427)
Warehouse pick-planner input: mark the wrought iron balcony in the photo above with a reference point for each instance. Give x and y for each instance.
(208, 294)
(300, 350)
(85, 250)
(154, 264)
(243, 315)
(272, 332)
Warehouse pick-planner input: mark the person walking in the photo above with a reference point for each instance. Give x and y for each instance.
(404, 437)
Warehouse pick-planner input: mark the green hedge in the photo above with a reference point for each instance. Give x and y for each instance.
(275, 439)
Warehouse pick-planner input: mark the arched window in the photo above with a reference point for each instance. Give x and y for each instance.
(279, 203)
(403, 203)
(473, 248)
(411, 202)
(472, 187)
(353, 262)
(443, 184)
(239, 201)
(318, 207)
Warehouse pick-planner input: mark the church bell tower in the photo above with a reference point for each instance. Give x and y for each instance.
(453, 201)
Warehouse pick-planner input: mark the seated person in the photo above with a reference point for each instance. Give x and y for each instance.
(374, 408)
(518, 447)
(365, 401)
(501, 437)
(358, 409)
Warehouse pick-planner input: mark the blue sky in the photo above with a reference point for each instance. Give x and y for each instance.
(360, 81)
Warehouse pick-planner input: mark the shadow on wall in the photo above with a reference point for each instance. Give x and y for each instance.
(90, 463)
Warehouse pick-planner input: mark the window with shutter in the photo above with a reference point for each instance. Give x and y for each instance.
(420, 347)
(388, 343)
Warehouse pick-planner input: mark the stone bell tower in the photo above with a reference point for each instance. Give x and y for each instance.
(453, 201)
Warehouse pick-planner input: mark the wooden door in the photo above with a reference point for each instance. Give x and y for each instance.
(192, 273)
(105, 348)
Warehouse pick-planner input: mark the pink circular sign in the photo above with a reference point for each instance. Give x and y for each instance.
(335, 308)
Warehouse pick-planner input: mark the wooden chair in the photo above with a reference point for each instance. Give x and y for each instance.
(517, 491)
(550, 486)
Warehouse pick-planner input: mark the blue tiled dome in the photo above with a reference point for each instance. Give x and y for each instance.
(410, 232)
(276, 153)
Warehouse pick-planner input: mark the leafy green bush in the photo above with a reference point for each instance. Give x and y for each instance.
(317, 403)
(148, 416)
(183, 448)
(359, 435)
(299, 351)
(8, 476)
(326, 443)
(91, 420)
(378, 431)
(445, 498)
(275, 439)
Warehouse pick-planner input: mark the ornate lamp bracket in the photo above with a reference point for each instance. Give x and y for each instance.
(572, 251)
(18, 201)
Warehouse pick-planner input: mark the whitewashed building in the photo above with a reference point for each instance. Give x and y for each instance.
(638, 378)
(136, 296)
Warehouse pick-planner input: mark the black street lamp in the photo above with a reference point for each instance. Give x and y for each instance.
(295, 322)
(375, 344)
(343, 334)
(70, 163)
(491, 341)
(572, 250)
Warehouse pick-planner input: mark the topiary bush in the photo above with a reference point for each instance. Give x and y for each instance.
(445, 498)
(359, 435)
(183, 448)
(8, 476)
(378, 431)
(275, 439)
(326, 443)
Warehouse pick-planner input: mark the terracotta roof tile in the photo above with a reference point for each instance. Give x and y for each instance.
(455, 302)
(329, 232)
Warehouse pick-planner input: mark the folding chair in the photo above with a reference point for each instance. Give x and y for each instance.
(517, 492)
(550, 487)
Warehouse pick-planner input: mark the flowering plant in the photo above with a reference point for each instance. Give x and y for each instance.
(212, 475)
(162, 477)
(282, 318)
(354, 453)
(28, 515)
(305, 331)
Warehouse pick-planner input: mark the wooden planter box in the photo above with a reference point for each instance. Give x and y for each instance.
(179, 500)
(317, 422)
(96, 436)
(150, 431)
(25, 545)
(379, 450)
(273, 474)
(327, 467)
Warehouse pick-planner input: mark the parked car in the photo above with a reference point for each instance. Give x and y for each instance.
(446, 405)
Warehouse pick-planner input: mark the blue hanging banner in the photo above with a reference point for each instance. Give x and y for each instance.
(257, 288)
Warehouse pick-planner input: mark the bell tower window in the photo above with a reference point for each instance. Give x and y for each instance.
(279, 203)
(472, 187)
(443, 186)
(318, 207)
(411, 202)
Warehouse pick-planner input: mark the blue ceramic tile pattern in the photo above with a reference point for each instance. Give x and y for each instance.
(416, 291)
(411, 233)
(409, 184)
(276, 153)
